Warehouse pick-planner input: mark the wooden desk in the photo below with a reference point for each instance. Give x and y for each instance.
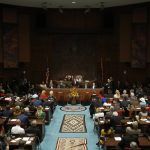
(62, 94)
(39, 122)
(144, 122)
(29, 143)
(111, 143)
(144, 143)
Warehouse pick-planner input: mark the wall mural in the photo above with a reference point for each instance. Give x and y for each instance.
(74, 55)
(139, 38)
(139, 45)
(10, 45)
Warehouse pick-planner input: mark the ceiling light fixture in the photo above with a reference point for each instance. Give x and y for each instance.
(87, 10)
(44, 5)
(73, 2)
(101, 5)
(61, 9)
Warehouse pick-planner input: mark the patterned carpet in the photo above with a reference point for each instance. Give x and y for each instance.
(71, 144)
(73, 124)
(73, 108)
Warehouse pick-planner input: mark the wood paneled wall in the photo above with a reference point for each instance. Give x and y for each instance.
(73, 42)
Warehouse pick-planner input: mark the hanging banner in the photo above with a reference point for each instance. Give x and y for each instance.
(139, 38)
(139, 45)
(10, 45)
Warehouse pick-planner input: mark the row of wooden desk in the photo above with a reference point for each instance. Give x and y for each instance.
(62, 94)
(25, 141)
(111, 143)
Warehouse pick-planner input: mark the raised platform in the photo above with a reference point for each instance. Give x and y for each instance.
(62, 94)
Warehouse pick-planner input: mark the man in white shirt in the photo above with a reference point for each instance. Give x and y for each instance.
(17, 129)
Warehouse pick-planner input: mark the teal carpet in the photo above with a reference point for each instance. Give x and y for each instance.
(52, 131)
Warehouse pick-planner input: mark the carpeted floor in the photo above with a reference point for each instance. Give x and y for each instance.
(52, 131)
(71, 144)
(73, 123)
(71, 108)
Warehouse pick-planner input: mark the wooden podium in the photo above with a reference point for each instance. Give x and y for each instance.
(62, 94)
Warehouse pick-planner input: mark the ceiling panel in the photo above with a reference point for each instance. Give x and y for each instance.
(69, 4)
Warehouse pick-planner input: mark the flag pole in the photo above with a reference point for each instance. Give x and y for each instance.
(47, 72)
(102, 71)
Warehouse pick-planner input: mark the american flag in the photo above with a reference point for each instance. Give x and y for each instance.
(47, 75)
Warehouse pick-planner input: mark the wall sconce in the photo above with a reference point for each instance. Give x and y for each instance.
(61, 9)
(87, 10)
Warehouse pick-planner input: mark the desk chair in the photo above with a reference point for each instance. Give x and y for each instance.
(96, 118)
(21, 146)
(119, 129)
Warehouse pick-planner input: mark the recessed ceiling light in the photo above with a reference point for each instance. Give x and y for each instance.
(73, 2)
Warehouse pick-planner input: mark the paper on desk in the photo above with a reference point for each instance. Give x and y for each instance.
(28, 142)
(101, 107)
(17, 139)
(106, 104)
(25, 138)
(143, 119)
(117, 138)
(129, 122)
(13, 119)
(13, 141)
(102, 121)
(31, 138)
(138, 108)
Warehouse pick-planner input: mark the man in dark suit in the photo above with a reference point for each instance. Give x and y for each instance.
(115, 122)
(34, 129)
(126, 140)
(23, 118)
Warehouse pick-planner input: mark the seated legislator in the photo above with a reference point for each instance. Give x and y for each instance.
(40, 114)
(23, 118)
(133, 129)
(50, 100)
(37, 103)
(126, 141)
(117, 94)
(34, 129)
(115, 122)
(43, 95)
(105, 132)
(34, 97)
(17, 111)
(142, 102)
(125, 102)
(17, 129)
(143, 113)
(7, 112)
(125, 94)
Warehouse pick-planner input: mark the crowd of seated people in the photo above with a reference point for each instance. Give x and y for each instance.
(25, 109)
(117, 104)
(123, 113)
